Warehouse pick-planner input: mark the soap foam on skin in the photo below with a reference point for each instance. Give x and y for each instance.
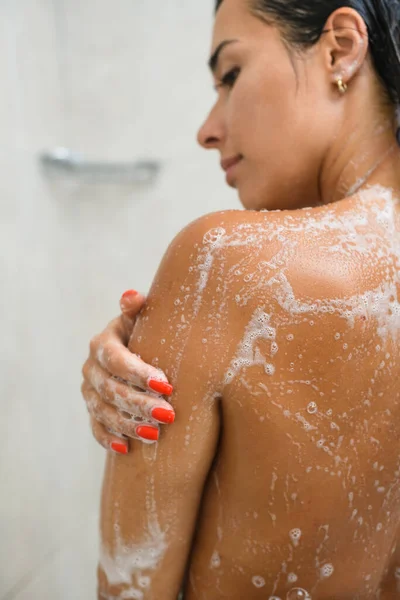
(130, 563)
(265, 334)
(374, 303)
(246, 355)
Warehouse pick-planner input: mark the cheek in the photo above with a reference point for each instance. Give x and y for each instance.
(261, 116)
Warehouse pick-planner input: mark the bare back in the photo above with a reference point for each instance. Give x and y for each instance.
(310, 410)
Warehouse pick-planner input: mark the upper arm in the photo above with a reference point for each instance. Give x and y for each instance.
(151, 497)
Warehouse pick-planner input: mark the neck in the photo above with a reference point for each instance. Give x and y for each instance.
(366, 156)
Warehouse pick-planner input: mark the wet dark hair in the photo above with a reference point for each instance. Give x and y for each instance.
(302, 23)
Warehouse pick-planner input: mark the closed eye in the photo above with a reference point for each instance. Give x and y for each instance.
(229, 79)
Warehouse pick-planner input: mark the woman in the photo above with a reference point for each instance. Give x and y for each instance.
(278, 328)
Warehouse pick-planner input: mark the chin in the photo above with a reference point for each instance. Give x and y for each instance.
(251, 201)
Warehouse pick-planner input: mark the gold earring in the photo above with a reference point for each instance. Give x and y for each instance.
(342, 86)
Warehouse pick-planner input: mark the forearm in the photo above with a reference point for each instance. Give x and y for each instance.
(146, 527)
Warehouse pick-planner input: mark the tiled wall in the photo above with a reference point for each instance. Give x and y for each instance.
(117, 81)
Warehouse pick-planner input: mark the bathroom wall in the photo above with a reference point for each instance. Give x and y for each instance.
(120, 81)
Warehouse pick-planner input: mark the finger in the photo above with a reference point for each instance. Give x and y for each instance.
(114, 420)
(109, 440)
(124, 397)
(128, 325)
(131, 303)
(110, 352)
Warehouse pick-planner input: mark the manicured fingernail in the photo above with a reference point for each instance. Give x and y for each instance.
(129, 294)
(163, 414)
(161, 387)
(148, 433)
(119, 447)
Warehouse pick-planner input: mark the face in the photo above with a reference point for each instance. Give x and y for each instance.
(266, 115)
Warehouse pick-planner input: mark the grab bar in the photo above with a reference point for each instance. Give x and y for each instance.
(64, 161)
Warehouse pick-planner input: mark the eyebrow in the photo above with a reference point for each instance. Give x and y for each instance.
(213, 62)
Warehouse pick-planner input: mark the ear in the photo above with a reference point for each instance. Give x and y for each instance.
(346, 43)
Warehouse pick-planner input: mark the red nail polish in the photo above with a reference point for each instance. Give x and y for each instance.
(129, 294)
(119, 447)
(148, 433)
(163, 414)
(161, 387)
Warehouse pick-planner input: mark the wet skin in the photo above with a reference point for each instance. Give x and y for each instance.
(282, 467)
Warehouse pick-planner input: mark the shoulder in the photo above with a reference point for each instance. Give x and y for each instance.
(193, 254)
(222, 233)
(206, 228)
(220, 224)
(191, 303)
(185, 285)
(273, 248)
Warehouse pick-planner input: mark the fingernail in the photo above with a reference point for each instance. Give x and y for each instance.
(129, 294)
(119, 447)
(161, 387)
(148, 433)
(163, 414)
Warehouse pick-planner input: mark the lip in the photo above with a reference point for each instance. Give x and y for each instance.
(230, 172)
(227, 163)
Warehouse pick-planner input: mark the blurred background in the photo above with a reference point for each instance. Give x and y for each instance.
(118, 83)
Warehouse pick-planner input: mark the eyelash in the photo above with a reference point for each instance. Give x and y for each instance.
(228, 80)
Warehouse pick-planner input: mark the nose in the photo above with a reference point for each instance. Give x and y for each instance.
(211, 134)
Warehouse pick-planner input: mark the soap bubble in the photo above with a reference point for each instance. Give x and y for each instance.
(312, 408)
(144, 582)
(295, 535)
(298, 594)
(215, 560)
(327, 570)
(214, 235)
(258, 581)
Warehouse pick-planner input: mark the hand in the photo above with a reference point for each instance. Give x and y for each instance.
(114, 384)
